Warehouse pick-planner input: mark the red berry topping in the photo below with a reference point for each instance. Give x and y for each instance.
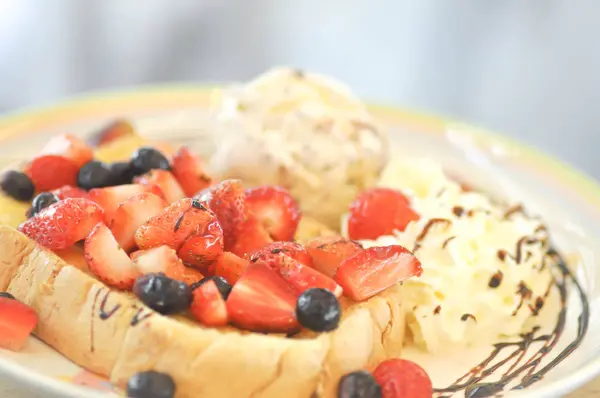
(290, 249)
(203, 249)
(208, 305)
(164, 259)
(70, 192)
(111, 197)
(377, 212)
(252, 237)
(165, 181)
(275, 209)
(112, 132)
(17, 321)
(328, 252)
(188, 169)
(62, 224)
(68, 146)
(375, 269)
(230, 267)
(50, 172)
(400, 378)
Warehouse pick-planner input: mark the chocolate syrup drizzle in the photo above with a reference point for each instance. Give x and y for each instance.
(523, 368)
(139, 316)
(102, 313)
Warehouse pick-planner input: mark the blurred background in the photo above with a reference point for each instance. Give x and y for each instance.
(525, 68)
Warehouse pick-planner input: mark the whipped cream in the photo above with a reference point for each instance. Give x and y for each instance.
(483, 262)
(300, 130)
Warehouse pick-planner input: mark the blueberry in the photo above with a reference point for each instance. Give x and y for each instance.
(359, 384)
(146, 159)
(17, 185)
(222, 284)
(319, 310)
(42, 201)
(93, 174)
(121, 173)
(150, 384)
(7, 295)
(163, 294)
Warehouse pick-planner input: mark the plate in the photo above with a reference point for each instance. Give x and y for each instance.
(568, 201)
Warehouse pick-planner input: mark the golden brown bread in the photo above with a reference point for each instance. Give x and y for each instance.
(95, 327)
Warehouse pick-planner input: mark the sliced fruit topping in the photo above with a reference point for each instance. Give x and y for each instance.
(189, 171)
(17, 321)
(121, 173)
(275, 209)
(70, 192)
(375, 269)
(146, 158)
(62, 224)
(222, 284)
(226, 199)
(112, 132)
(377, 212)
(359, 384)
(107, 260)
(50, 172)
(164, 259)
(230, 267)
(175, 224)
(165, 181)
(400, 378)
(262, 301)
(7, 295)
(291, 249)
(94, 174)
(318, 310)
(68, 146)
(43, 200)
(150, 384)
(17, 185)
(252, 236)
(111, 197)
(328, 252)
(163, 294)
(202, 250)
(131, 215)
(208, 305)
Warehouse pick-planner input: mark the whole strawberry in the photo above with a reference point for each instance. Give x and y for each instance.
(400, 378)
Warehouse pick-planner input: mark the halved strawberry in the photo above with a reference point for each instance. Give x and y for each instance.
(60, 225)
(70, 192)
(252, 236)
(291, 249)
(50, 172)
(229, 266)
(203, 249)
(262, 301)
(164, 259)
(73, 148)
(189, 171)
(17, 321)
(165, 181)
(131, 215)
(301, 277)
(276, 210)
(226, 199)
(328, 252)
(175, 224)
(375, 269)
(112, 132)
(107, 260)
(400, 378)
(379, 211)
(111, 197)
(208, 305)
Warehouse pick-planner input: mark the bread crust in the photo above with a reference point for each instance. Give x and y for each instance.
(113, 334)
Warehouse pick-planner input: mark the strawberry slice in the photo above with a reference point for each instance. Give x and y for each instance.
(208, 305)
(164, 259)
(131, 215)
(229, 266)
(188, 169)
(290, 249)
(252, 236)
(112, 132)
(165, 181)
(111, 197)
(226, 199)
(107, 260)
(60, 225)
(276, 210)
(300, 276)
(68, 146)
(262, 301)
(400, 378)
(375, 269)
(328, 252)
(175, 224)
(17, 321)
(50, 172)
(201, 251)
(70, 192)
(377, 212)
